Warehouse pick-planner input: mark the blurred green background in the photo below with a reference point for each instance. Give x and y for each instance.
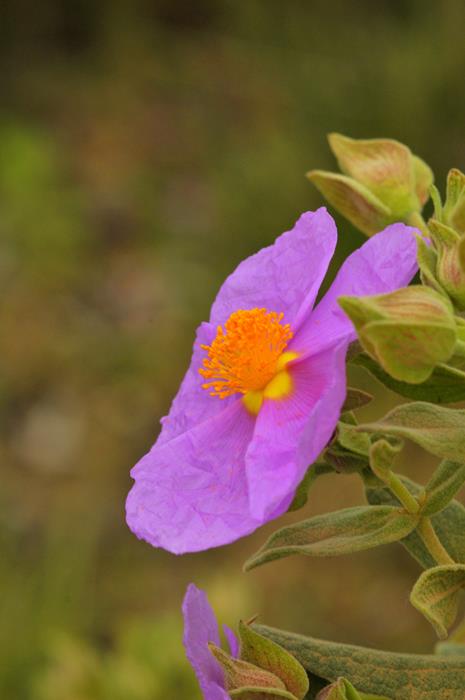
(145, 149)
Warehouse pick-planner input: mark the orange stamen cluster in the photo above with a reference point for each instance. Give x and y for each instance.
(244, 356)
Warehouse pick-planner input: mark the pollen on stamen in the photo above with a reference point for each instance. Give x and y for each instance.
(244, 355)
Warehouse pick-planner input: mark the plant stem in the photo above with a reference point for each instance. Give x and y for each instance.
(409, 502)
(432, 542)
(416, 219)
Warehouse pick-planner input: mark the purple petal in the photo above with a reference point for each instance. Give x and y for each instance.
(291, 432)
(190, 493)
(215, 692)
(233, 641)
(384, 263)
(192, 404)
(200, 628)
(286, 276)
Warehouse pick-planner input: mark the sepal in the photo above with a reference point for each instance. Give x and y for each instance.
(267, 655)
(240, 674)
(342, 689)
(353, 200)
(454, 207)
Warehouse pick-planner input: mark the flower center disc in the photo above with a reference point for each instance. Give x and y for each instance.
(244, 357)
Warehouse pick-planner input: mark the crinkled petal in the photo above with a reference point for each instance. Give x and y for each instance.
(233, 641)
(190, 493)
(192, 404)
(284, 277)
(290, 433)
(200, 628)
(384, 263)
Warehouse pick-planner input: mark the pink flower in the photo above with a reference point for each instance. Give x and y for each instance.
(200, 628)
(264, 390)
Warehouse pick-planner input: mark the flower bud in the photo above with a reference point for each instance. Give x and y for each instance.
(454, 207)
(342, 689)
(241, 674)
(381, 182)
(450, 254)
(408, 331)
(264, 669)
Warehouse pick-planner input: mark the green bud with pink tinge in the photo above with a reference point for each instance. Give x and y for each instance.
(381, 182)
(408, 331)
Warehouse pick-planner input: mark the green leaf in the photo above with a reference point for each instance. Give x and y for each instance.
(436, 595)
(353, 440)
(382, 456)
(301, 495)
(355, 398)
(449, 524)
(437, 429)
(333, 534)
(445, 385)
(343, 460)
(352, 200)
(266, 654)
(446, 481)
(398, 676)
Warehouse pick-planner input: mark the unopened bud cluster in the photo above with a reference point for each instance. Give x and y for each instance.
(447, 231)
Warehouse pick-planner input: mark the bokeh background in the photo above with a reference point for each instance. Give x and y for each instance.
(145, 149)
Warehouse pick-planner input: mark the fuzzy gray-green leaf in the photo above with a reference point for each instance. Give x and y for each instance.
(446, 481)
(398, 676)
(437, 429)
(436, 595)
(449, 524)
(333, 534)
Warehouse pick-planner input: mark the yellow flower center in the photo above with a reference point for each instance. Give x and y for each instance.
(247, 357)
